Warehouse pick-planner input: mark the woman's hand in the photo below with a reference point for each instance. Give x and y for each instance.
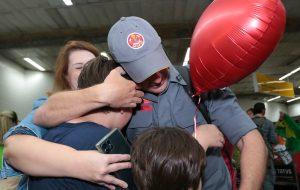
(96, 167)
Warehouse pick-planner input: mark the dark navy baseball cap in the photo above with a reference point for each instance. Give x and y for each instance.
(135, 44)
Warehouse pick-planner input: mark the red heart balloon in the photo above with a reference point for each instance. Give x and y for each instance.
(232, 39)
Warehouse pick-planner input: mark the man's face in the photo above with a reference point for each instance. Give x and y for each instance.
(156, 83)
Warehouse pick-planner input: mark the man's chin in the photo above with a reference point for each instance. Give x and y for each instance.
(157, 90)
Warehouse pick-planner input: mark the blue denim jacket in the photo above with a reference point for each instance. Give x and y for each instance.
(26, 126)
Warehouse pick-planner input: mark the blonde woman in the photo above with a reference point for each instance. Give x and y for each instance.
(8, 119)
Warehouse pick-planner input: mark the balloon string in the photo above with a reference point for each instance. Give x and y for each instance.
(195, 115)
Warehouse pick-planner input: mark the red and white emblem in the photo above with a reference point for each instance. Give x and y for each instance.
(135, 40)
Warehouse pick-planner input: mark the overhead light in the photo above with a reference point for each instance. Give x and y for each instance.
(290, 73)
(271, 82)
(68, 2)
(277, 97)
(298, 86)
(284, 89)
(187, 57)
(291, 100)
(30, 61)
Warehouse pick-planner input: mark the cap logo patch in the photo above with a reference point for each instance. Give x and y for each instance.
(135, 40)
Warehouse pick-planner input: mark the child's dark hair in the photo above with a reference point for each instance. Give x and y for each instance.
(167, 158)
(95, 71)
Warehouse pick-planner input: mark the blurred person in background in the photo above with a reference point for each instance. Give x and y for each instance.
(267, 130)
(8, 119)
(250, 112)
(289, 131)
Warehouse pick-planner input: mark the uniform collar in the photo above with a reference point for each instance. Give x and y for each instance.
(175, 76)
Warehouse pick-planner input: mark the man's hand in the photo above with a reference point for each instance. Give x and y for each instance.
(209, 136)
(120, 92)
(97, 168)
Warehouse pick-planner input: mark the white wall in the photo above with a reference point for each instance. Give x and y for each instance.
(11, 86)
(19, 87)
(294, 109)
(272, 108)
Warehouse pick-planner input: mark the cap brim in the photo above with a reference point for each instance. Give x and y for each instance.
(148, 65)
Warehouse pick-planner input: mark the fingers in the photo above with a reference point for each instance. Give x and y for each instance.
(130, 105)
(221, 141)
(113, 158)
(109, 179)
(136, 100)
(110, 187)
(219, 144)
(133, 101)
(139, 94)
(118, 166)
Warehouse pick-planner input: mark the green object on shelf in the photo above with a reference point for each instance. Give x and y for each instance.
(1, 154)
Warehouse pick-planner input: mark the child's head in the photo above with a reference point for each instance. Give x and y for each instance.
(167, 158)
(95, 72)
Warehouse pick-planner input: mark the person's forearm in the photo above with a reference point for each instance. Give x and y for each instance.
(253, 160)
(37, 157)
(64, 106)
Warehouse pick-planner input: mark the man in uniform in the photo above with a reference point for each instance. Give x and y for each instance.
(135, 44)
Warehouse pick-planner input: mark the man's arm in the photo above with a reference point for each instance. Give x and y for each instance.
(51, 159)
(253, 160)
(240, 130)
(115, 91)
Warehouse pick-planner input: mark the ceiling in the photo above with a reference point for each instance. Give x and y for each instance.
(38, 28)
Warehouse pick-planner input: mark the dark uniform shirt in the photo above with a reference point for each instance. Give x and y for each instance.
(174, 108)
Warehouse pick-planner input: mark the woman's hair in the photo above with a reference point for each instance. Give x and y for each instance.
(250, 109)
(62, 62)
(95, 71)
(7, 120)
(167, 158)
